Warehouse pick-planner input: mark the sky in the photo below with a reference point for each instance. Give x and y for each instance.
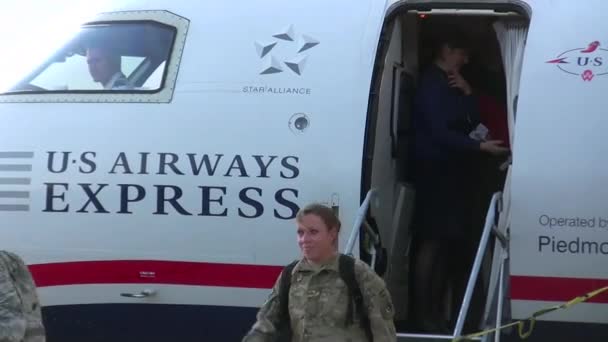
(32, 29)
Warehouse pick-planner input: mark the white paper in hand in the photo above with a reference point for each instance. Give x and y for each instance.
(480, 133)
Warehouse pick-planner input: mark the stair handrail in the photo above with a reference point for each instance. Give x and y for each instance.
(361, 212)
(481, 249)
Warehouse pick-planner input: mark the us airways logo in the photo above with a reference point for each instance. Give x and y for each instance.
(154, 183)
(587, 62)
(286, 50)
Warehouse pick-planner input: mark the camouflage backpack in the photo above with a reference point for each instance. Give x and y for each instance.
(20, 315)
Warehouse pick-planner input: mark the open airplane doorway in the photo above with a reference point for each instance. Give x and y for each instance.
(496, 33)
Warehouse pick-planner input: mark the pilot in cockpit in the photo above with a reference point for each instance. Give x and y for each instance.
(105, 67)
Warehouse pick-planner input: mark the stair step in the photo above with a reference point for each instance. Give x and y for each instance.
(405, 337)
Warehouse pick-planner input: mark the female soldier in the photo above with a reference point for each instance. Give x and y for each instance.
(319, 302)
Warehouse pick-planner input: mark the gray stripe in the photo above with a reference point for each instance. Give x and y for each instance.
(15, 167)
(14, 207)
(14, 180)
(16, 154)
(14, 194)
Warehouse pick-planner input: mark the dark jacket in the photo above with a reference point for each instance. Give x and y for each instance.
(442, 118)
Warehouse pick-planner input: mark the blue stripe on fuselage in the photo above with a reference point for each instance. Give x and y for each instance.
(146, 323)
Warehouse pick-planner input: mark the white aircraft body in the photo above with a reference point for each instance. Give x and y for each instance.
(159, 204)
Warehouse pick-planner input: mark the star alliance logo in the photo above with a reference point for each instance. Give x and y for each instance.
(294, 61)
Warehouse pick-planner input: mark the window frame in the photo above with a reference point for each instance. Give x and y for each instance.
(163, 94)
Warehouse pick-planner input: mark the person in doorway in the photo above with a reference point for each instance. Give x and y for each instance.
(324, 296)
(445, 155)
(488, 79)
(105, 68)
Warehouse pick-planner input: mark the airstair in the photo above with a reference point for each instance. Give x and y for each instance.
(495, 303)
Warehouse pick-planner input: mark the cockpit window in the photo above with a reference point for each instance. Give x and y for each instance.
(138, 54)
(116, 56)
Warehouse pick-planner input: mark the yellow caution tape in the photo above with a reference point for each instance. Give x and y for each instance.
(521, 324)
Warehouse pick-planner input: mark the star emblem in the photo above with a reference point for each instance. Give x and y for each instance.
(274, 61)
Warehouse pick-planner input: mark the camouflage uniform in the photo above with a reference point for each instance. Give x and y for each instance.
(318, 302)
(20, 316)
